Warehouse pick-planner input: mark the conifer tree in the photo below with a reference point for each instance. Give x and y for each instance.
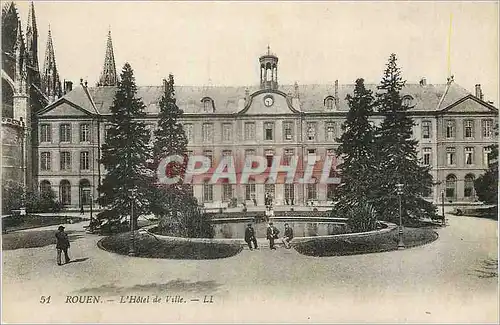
(126, 154)
(396, 154)
(174, 204)
(357, 154)
(486, 185)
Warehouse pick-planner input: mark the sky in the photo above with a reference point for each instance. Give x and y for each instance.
(218, 43)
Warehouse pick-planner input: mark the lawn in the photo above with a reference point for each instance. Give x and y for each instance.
(334, 246)
(13, 223)
(31, 239)
(147, 245)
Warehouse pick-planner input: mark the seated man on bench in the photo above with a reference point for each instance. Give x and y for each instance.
(288, 236)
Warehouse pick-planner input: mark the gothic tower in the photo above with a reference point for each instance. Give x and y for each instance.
(51, 85)
(108, 75)
(32, 46)
(268, 70)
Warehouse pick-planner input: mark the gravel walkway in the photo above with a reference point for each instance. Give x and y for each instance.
(450, 280)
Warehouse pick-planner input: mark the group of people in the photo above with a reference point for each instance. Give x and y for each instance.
(272, 233)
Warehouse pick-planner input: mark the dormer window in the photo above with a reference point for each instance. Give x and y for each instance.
(208, 105)
(407, 100)
(329, 102)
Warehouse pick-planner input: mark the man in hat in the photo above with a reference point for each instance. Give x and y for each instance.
(287, 238)
(62, 245)
(272, 234)
(250, 236)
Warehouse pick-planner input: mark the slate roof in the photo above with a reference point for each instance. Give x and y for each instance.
(425, 98)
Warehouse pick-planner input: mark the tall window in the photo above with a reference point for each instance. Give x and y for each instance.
(427, 156)
(468, 128)
(269, 188)
(487, 126)
(486, 157)
(250, 190)
(450, 129)
(450, 156)
(65, 133)
(330, 191)
(65, 190)
(65, 160)
(227, 154)
(45, 161)
(469, 155)
(85, 192)
(84, 160)
(289, 192)
(227, 131)
(330, 131)
(268, 131)
(426, 129)
(208, 105)
(227, 192)
(269, 157)
(209, 155)
(208, 192)
(188, 129)
(208, 132)
(287, 130)
(287, 157)
(45, 133)
(451, 186)
(311, 131)
(469, 185)
(249, 131)
(311, 191)
(84, 132)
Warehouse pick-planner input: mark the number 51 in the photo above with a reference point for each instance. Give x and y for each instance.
(45, 299)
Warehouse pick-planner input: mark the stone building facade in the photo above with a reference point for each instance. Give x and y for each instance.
(453, 128)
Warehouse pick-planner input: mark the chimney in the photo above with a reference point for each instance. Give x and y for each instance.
(68, 86)
(81, 82)
(423, 81)
(479, 92)
(85, 83)
(336, 94)
(296, 90)
(247, 93)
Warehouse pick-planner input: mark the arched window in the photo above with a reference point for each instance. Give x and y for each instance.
(451, 186)
(85, 193)
(469, 185)
(208, 105)
(7, 100)
(45, 186)
(407, 101)
(329, 102)
(65, 192)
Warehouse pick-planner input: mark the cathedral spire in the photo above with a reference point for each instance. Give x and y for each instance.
(51, 85)
(32, 44)
(108, 75)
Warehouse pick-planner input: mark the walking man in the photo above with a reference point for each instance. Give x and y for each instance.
(272, 234)
(287, 238)
(62, 245)
(250, 236)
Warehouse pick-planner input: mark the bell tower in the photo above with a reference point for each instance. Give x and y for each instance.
(268, 70)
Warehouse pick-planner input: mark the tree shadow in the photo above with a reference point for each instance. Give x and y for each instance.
(174, 286)
(488, 269)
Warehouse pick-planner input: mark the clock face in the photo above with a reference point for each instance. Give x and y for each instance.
(268, 101)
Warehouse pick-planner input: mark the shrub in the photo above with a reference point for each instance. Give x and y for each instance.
(362, 217)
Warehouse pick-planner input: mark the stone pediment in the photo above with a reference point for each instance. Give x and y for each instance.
(269, 102)
(470, 104)
(63, 108)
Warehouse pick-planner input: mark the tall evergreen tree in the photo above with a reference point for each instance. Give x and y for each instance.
(486, 185)
(174, 204)
(396, 153)
(356, 152)
(126, 153)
